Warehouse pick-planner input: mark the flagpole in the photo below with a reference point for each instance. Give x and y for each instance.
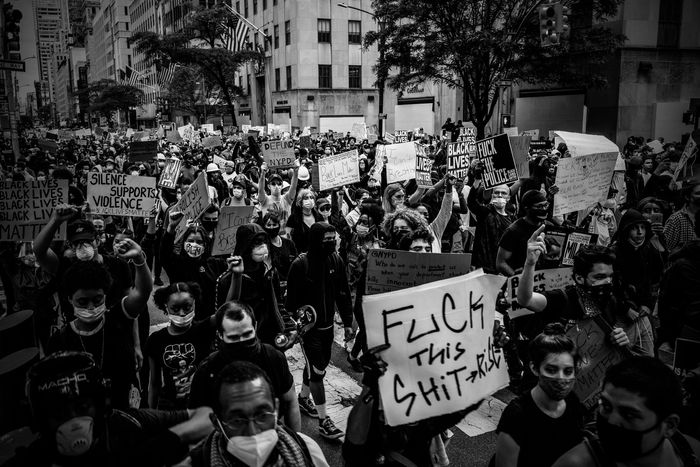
(265, 36)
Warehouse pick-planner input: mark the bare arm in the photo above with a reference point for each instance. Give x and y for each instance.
(416, 196)
(502, 258)
(262, 196)
(45, 256)
(291, 194)
(507, 451)
(526, 297)
(290, 409)
(137, 299)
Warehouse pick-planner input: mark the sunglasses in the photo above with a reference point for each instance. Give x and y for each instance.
(325, 207)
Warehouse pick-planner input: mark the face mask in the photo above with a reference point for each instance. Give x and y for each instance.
(362, 230)
(134, 172)
(90, 316)
(499, 203)
(272, 232)
(161, 164)
(74, 437)
(260, 253)
(275, 189)
(41, 177)
(241, 348)
(327, 152)
(621, 443)
(556, 388)
(539, 213)
(85, 252)
(308, 204)
(328, 247)
(601, 292)
(194, 250)
(237, 192)
(182, 321)
(254, 450)
(209, 225)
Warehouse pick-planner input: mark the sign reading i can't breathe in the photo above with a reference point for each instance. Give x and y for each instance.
(497, 156)
(279, 154)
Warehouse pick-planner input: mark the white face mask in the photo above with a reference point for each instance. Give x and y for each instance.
(308, 204)
(182, 321)
(260, 253)
(85, 252)
(88, 315)
(499, 203)
(74, 437)
(254, 450)
(237, 192)
(194, 250)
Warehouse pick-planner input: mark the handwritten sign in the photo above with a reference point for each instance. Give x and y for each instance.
(583, 181)
(192, 204)
(230, 218)
(389, 138)
(424, 166)
(534, 134)
(690, 148)
(25, 207)
(186, 132)
(401, 161)
(389, 270)
(442, 358)
(279, 154)
(338, 170)
(544, 280)
(497, 156)
(121, 194)
(401, 136)
(358, 131)
(171, 172)
(458, 159)
(596, 355)
(212, 142)
(143, 150)
(208, 127)
(520, 145)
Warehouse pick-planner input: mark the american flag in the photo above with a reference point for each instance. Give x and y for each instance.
(237, 35)
(165, 76)
(133, 78)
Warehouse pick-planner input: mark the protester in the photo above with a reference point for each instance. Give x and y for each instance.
(678, 229)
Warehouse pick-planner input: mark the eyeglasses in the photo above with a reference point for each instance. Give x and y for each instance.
(540, 206)
(275, 184)
(261, 421)
(325, 207)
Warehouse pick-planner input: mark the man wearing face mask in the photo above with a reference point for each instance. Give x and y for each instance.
(246, 427)
(318, 278)
(76, 426)
(637, 421)
(238, 192)
(275, 200)
(210, 219)
(236, 331)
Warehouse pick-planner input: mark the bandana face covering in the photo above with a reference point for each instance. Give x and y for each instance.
(194, 250)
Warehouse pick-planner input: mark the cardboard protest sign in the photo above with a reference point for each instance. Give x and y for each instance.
(581, 144)
(143, 150)
(583, 181)
(511, 131)
(690, 147)
(338, 170)
(458, 159)
(401, 161)
(171, 172)
(279, 154)
(372, 134)
(186, 132)
(497, 156)
(389, 138)
(141, 136)
(401, 136)
(468, 135)
(173, 137)
(212, 142)
(219, 161)
(389, 270)
(192, 204)
(208, 127)
(596, 354)
(574, 242)
(306, 142)
(230, 218)
(359, 131)
(544, 280)
(48, 145)
(520, 145)
(25, 207)
(441, 357)
(534, 134)
(121, 194)
(424, 166)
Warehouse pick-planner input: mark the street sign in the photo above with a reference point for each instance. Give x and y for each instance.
(11, 65)
(382, 116)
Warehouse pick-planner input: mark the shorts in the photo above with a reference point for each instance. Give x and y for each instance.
(317, 346)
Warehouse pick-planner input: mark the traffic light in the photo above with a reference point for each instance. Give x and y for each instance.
(562, 20)
(11, 29)
(688, 118)
(506, 121)
(548, 25)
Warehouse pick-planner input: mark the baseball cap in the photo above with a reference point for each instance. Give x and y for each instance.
(277, 177)
(81, 230)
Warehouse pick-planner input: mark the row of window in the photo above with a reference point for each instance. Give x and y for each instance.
(354, 31)
(325, 77)
(255, 6)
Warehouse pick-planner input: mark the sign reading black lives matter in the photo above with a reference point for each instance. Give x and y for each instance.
(458, 159)
(497, 156)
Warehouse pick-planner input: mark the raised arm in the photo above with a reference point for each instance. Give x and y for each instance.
(526, 297)
(443, 217)
(291, 194)
(262, 196)
(45, 256)
(137, 299)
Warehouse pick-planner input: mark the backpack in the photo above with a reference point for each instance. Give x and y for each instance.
(678, 440)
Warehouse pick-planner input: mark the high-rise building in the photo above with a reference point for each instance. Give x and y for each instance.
(108, 51)
(51, 18)
(144, 17)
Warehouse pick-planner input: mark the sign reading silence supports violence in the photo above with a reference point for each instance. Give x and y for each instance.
(279, 154)
(496, 155)
(25, 207)
(441, 358)
(121, 194)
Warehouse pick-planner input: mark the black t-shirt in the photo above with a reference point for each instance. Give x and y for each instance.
(111, 345)
(177, 358)
(542, 439)
(515, 239)
(282, 257)
(203, 392)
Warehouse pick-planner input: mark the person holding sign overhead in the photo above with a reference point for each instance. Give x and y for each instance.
(275, 200)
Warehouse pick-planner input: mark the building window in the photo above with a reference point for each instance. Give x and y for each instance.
(288, 76)
(265, 41)
(264, 5)
(277, 36)
(274, 2)
(126, 11)
(670, 12)
(354, 32)
(355, 77)
(324, 76)
(255, 7)
(238, 7)
(255, 41)
(277, 79)
(287, 33)
(245, 8)
(324, 30)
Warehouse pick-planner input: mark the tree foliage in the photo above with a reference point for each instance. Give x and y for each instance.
(200, 46)
(475, 44)
(106, 96)
(190, 89)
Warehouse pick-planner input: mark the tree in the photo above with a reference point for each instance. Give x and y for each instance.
(190, 88)
(475, 44)
(200, 45)
(107, 96)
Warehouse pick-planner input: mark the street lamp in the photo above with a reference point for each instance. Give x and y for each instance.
(381, 78)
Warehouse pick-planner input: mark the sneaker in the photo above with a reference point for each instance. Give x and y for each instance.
(328, 430)
(307, 406)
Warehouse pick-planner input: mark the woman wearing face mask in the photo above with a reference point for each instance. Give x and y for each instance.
(282, 250)
(304, 215)
(190, 261)
(394, 198)
(656, 211)
(399, 223)
(545, 422)
(174, 352)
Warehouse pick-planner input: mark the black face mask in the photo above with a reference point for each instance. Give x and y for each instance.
(622, 444)
(209, 225)
(272, 232)
(328, 247)
(602, 293)
(241, 349)
(538, 213)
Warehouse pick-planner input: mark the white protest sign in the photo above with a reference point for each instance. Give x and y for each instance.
(581, 144)
(192, 204)
(219, 161)
(442, 358)
(208, 127)
(359, 131)
(279, 154)
(656, 146)
(511, 131)
(401, 161)
(690, 148)
(534, 134)
(212, 142)
(121, 194)
(543, 280)
(25, 207)
(389, 138)
(583, 181)
(401, 136)
(186, 132)
(338, 170)
(230, 218)
(171, 172)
